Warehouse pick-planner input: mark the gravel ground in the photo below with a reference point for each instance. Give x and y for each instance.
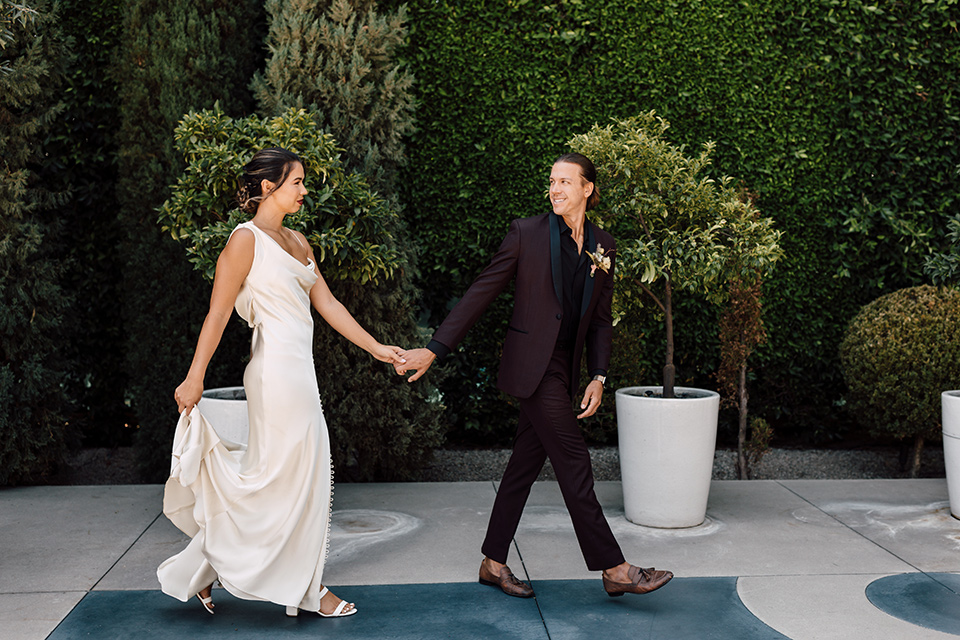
(777, 464)
(118, 466)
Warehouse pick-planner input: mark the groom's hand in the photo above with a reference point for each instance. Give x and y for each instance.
(418, 360)
(591, 399)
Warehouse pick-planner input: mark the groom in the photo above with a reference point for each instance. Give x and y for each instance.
(563, 267)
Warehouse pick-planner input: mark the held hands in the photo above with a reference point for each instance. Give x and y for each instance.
(188, 394)
(591, 399)
(388, 353)
(418, 360)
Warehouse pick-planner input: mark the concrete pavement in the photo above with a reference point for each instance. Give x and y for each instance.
(802, 559)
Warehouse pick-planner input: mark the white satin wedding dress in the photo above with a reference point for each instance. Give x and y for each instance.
(259, 515)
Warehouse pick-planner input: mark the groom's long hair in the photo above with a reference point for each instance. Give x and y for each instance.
(587, 171)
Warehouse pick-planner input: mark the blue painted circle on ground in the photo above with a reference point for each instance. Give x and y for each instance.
(930, 600)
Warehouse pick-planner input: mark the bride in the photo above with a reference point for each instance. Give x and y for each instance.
(259, 515)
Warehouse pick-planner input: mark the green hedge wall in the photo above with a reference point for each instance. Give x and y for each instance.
(840, 116)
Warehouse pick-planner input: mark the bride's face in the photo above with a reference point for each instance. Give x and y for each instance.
(288, 197)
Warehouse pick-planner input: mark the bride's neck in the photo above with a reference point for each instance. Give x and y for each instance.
(268, 219)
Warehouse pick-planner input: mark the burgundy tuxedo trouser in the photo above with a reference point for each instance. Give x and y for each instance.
(548, 427)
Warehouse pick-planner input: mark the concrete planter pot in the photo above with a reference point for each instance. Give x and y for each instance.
(666, 454)
(226, 410)
(950, 417)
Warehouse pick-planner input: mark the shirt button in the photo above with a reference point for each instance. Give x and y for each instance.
(559, 316)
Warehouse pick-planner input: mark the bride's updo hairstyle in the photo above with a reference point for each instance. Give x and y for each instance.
(273, 164)
(587, 171)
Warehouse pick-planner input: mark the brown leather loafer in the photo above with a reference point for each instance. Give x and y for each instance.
(506, 581)
(641, 581)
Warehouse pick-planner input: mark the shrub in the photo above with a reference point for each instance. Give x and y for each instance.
(381, 427)
(899, 353)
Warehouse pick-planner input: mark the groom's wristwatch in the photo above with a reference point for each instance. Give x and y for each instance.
(601, 379)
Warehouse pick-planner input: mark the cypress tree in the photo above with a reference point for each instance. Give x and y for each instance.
(32, 65)
(337, 58)
(176, 56)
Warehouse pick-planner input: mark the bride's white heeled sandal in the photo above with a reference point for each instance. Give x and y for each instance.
(337, 613)
(206, 602)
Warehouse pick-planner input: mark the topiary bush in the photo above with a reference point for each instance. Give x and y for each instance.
(898, 354)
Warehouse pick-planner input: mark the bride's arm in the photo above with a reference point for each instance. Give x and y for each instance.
(345, 324)
(233, 265)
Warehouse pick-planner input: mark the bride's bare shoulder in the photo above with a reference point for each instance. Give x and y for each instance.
(240, 246)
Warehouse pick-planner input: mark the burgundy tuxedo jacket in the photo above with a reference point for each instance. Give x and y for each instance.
(530, 252)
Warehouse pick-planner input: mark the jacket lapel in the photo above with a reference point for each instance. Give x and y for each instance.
(591, 246)
(555, 255)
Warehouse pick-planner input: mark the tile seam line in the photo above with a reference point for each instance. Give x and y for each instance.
(523, 564)
(536, 598)
(86, 592)
(873, 542)
(125, 552)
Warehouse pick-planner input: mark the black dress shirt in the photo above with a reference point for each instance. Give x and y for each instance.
(573, 267)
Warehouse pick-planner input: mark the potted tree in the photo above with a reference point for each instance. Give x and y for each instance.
(677, 230)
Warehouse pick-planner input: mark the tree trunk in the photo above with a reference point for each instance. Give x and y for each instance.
(669, 371)
(743, 470)
(915, 457)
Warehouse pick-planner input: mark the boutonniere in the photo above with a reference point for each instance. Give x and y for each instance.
(599, 261)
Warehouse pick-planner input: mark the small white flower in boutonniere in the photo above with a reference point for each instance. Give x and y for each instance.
(599, 260)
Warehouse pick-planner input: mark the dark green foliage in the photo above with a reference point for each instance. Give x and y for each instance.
(14, 16)
(83, 147)
(814, 106)
(174, 57)
(944, 267)
(347, 224)
(338, 57)
(381, 427)
(899, 353)
(32, 430)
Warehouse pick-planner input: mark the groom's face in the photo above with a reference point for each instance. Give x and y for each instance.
(568, 189)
